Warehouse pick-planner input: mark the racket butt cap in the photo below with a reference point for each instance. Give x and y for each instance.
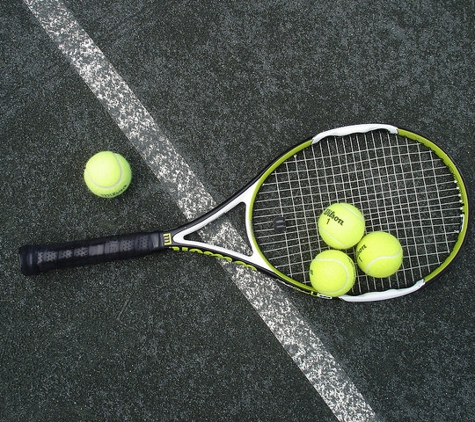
(26, 257)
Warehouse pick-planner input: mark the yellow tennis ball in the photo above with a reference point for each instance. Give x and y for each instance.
(107, 174)
(332, 273)
(341, 225)
(379, 254)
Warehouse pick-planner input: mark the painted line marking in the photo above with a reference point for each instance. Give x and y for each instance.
(283, 319)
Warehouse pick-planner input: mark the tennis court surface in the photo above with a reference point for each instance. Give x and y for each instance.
(199, 97)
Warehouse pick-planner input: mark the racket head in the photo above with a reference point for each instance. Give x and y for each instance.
(402, 182)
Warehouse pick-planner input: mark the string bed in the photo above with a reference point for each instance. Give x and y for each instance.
(400, 185)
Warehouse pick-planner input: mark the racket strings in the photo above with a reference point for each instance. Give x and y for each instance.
(400, 185)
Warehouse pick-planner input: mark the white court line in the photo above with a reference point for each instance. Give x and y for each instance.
(300, 342)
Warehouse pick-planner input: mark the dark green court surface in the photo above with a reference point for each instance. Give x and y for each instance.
(230, 85)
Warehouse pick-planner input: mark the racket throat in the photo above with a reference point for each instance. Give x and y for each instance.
(213, 254)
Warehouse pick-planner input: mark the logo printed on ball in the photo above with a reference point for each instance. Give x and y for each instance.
(332, 216)
(361, 249)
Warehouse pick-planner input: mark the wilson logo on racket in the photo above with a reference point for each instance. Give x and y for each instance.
(167, 239)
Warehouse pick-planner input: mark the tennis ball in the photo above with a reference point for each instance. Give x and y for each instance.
(341, 225)
(107, 174)
(379, 254)
(332, 273)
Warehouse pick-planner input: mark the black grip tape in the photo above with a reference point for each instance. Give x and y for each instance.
(35, 259)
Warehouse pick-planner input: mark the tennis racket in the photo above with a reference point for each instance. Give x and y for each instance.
(402, 182)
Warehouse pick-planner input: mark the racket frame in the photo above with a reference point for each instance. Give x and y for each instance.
(176, 239)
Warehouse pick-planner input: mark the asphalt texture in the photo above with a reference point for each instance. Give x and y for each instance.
(231, 84)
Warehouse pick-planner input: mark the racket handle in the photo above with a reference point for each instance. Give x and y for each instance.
(35, 259)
